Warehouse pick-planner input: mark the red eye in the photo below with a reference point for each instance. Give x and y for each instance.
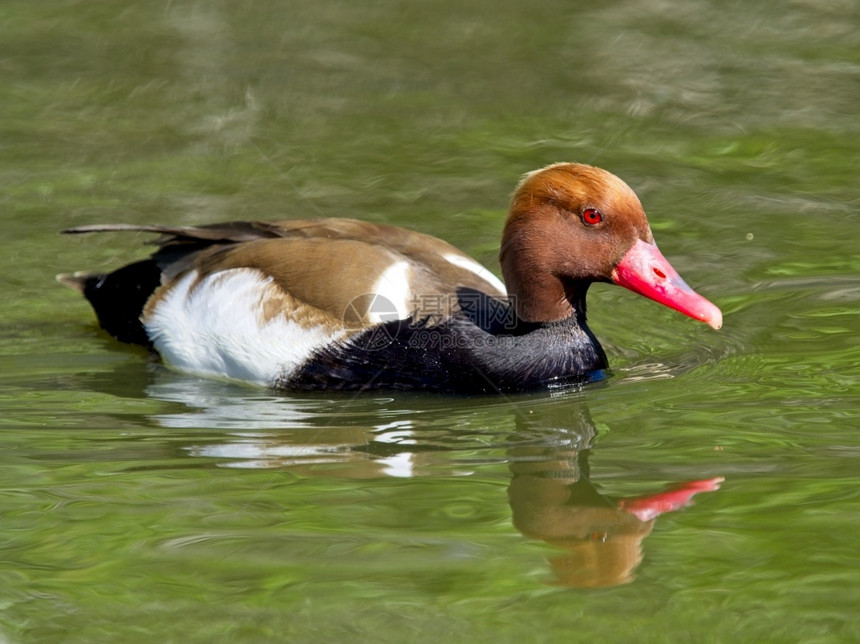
(592, 216)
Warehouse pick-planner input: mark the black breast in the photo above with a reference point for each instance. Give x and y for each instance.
(455, 356)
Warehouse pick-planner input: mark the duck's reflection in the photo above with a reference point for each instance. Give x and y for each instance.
(553, 499)
(599, 537)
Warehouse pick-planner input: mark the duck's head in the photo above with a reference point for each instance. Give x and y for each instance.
(571, 224)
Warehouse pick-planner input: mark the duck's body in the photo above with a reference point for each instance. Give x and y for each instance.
(344, 304)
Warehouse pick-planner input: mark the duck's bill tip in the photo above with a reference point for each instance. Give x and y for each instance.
(698, 308)
(644, 270)
(714, 318)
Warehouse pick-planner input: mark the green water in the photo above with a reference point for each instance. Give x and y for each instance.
(139, 505)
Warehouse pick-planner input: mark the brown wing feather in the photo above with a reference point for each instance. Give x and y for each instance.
(327, 263)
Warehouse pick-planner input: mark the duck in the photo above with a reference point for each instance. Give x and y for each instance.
(343, 304)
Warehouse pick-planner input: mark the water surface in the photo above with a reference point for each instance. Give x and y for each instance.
(143, 505)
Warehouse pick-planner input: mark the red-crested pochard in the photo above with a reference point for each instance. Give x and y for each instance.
(345, 304)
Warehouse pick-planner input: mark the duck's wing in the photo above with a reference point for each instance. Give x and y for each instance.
(240, 299)
(233, 231)
(440, 258)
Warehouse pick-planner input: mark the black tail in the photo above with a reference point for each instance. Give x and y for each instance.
(118, 298)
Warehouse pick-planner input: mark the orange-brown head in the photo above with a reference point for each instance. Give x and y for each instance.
(571, 224)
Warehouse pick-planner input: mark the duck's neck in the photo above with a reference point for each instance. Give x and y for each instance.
(542, 352)
(545, 298)
(539, 297)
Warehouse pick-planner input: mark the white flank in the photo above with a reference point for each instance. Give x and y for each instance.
(392, 295)
(217, 329)
(472, 266)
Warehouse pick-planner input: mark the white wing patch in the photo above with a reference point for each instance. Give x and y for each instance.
(472, 266)
(393, 297)
(218, 328)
